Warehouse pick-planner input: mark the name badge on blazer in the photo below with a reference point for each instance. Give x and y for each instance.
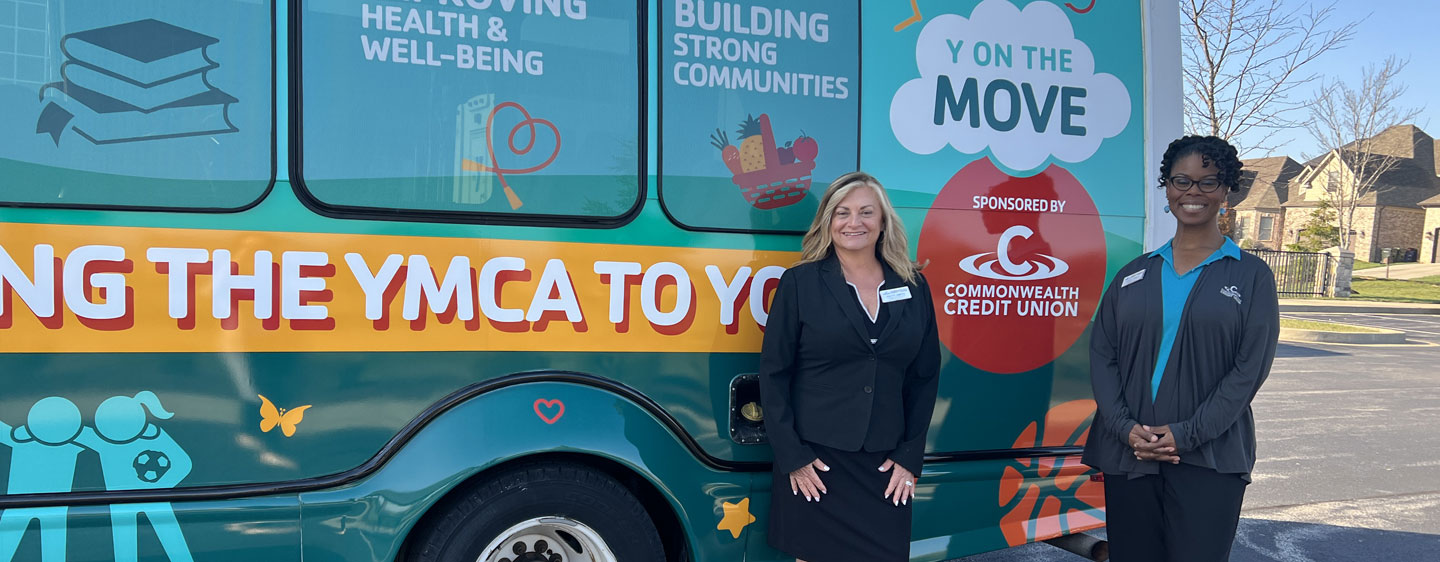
(896, 294)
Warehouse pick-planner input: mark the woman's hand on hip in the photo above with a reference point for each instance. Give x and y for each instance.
(806, 481)
(902, 483)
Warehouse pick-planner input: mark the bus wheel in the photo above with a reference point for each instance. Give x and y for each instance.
(541, 512)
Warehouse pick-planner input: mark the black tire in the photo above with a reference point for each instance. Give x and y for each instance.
(459, 528)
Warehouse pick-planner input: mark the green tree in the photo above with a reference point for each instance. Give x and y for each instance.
(1320, 232)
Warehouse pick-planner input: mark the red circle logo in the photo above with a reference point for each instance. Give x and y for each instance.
(1017, 265)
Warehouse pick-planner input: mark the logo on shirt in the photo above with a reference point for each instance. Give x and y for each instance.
(1231, 292)
(1041, 266)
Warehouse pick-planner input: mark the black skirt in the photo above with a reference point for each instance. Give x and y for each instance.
(853, 521)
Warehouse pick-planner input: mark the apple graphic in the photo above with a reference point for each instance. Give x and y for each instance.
(805, 148)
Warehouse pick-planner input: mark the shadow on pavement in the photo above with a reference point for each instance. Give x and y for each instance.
(1293, 350)
(1263, 540)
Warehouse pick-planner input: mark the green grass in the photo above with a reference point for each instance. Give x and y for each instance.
(1322, 326)
(1395, 290)
(1433, 279)
(1359, 265)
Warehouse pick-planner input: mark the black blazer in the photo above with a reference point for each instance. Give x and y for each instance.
(822, 381)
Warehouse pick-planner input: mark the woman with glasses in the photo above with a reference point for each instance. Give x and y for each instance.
(1182, 341)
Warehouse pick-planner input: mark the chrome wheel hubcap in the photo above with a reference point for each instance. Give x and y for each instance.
(548, 539)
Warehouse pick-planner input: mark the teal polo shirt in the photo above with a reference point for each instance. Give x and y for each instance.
(1175, 290)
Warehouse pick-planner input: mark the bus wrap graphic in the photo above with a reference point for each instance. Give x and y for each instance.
(140, 289)
(768, 176)
(749, 92)
(1040, 266)
(527, 127)
(136, 81)
(1018, 261)
(134, 453)
(1016, 82)
(1060, 499)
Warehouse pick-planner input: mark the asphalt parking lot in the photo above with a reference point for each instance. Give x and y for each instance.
(1349, 453)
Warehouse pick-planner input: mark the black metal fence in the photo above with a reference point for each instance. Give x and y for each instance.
(1298, 273)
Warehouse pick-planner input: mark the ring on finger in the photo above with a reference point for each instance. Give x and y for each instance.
(909, 483)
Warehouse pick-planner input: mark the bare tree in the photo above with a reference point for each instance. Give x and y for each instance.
(1243, 60)
(1346, 123)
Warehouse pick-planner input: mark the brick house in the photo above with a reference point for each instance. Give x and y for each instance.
(1430, 244)
(1391, 216)
(1257, 208)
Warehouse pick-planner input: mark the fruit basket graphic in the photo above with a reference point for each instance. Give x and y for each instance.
(768, 176)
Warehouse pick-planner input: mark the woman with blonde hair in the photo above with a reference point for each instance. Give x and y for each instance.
(848, 375)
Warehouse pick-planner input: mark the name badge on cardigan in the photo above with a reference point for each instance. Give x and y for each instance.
(1132, 278)
(896, 294)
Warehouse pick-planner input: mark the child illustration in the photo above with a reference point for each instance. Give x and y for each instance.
(42, 460)
(136, 454)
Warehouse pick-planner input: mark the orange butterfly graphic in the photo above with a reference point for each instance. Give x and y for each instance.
(270, 416)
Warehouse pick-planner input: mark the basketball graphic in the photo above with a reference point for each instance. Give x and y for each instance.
(1051, 496)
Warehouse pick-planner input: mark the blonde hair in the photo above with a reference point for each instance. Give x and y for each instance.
(893, 247)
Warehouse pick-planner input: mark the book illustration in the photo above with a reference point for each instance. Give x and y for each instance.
(147, 51)
(768, 176)
(135, 81)
(102, 119)
(144, 97)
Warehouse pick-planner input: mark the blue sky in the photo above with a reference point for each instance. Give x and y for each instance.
(1405, 28)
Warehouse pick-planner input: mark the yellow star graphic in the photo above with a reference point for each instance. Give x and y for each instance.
(737, 516)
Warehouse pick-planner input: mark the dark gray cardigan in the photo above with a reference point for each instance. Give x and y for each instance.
(1222, 354)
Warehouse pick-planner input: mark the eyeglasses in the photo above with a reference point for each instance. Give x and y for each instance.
(1183, 183)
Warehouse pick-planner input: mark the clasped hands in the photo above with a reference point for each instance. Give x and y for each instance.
(1153, 443)
(806, 480)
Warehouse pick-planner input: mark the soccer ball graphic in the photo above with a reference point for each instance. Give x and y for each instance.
(151, 466)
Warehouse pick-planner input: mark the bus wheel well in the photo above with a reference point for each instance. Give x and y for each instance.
(667, 522)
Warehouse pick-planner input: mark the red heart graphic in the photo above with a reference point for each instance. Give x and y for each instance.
(549, 404)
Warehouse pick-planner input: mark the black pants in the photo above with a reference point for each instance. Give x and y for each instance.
(1184, 514)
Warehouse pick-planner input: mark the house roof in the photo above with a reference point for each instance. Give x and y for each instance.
(1411, 180)
(1407, 184)
(1437, 158)
(1405, 141)
(1265, 183)
(1431, 202)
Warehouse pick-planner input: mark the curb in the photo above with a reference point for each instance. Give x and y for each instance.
(1360, 338)
(1356, 309)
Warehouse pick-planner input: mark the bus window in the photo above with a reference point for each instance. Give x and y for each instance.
(147, 104)
(760, 110)
(453, 112)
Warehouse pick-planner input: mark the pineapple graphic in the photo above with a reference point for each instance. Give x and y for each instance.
(752, 146)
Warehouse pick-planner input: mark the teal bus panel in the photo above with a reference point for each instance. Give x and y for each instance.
(151, 104)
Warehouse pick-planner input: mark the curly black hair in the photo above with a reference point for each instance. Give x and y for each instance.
(1213, 151)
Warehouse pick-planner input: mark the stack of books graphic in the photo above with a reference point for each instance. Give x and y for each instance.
(142, 80)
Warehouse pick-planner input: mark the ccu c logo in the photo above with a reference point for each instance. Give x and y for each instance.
(1011, 271)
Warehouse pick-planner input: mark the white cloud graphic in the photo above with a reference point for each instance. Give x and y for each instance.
(949, 46)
